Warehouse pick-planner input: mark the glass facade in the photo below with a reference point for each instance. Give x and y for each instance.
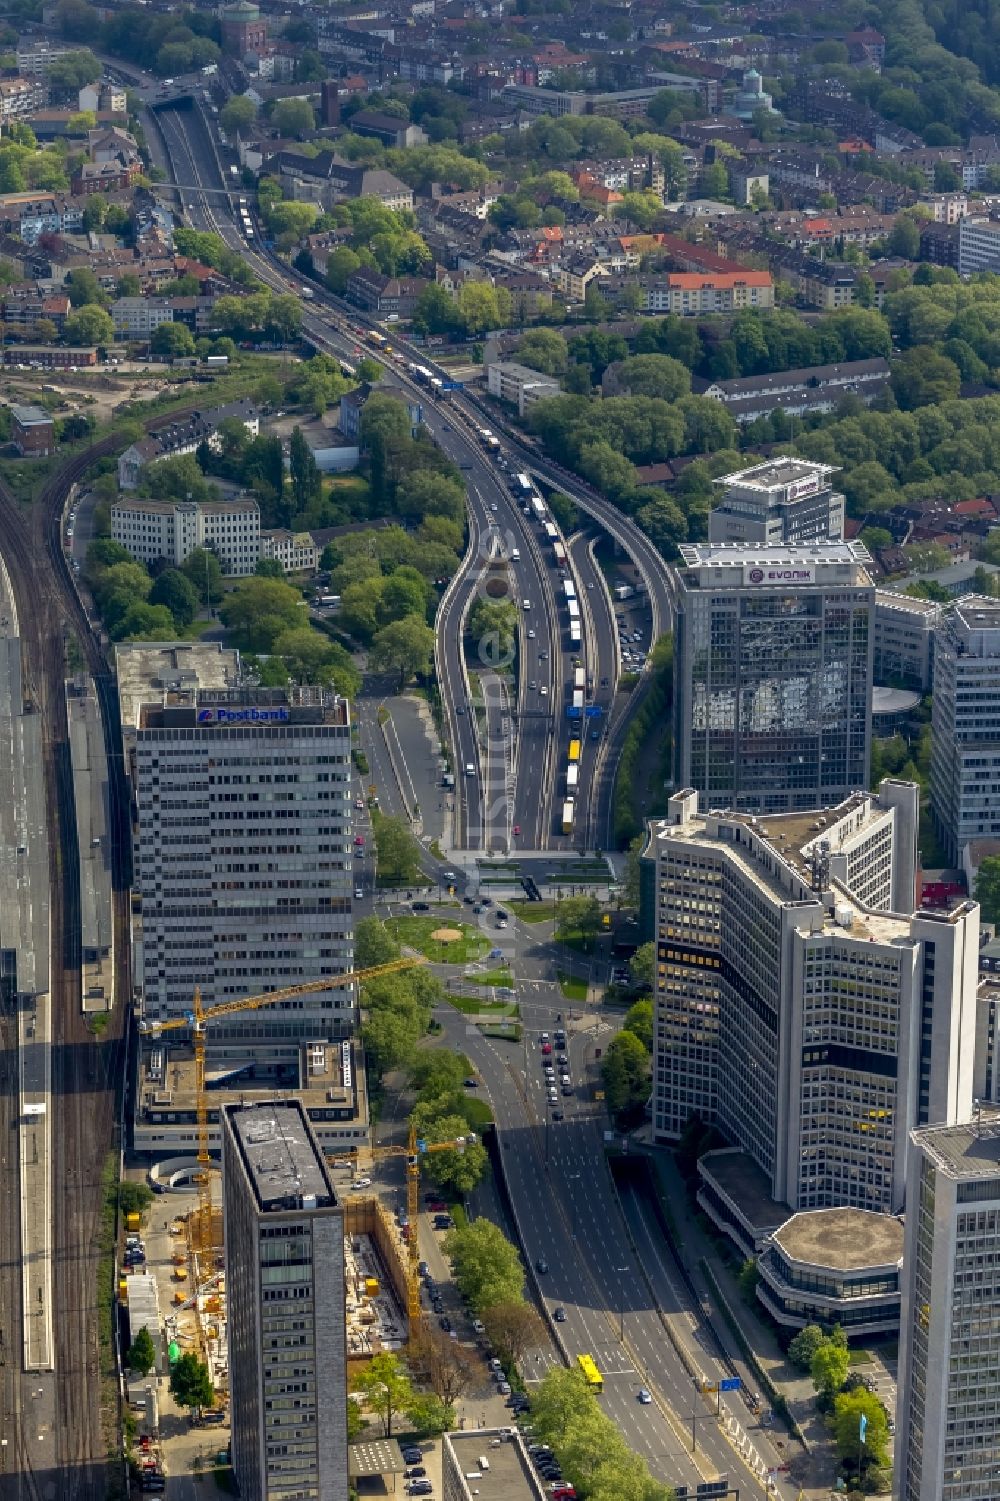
(779, 696)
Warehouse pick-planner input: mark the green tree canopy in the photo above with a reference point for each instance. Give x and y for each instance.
(488, 1268)
(987, 888)
(190, 1382)
(141, 1355)
(386, 1388)
(625, 1073)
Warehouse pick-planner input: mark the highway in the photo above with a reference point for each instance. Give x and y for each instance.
(544, 659)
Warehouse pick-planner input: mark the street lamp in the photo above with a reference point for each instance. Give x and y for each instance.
(621, 1304)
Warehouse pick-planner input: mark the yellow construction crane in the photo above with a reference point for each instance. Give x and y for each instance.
(198, 1020)
(416, 1147)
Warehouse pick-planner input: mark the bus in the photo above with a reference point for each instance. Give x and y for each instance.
(591, 1374)
(574, 750)
(567, 828)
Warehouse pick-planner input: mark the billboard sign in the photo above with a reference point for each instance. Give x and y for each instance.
(243, 714)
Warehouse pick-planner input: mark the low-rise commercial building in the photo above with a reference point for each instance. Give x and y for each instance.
(506, 1475)
(519, 384)
(32, 431)
(834, 1266)
(153, 530)
(295, 551)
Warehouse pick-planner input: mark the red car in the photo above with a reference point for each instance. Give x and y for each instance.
(517, 828)
(437, 1206)
(546, 1049)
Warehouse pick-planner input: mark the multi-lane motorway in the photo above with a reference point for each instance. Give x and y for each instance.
(535, 740)
(568, 1214)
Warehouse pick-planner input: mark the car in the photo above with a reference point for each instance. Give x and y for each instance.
(449, 875)
(438, 1305)
(420, 906)
(644, 1396)
(516, 829)
(543, 656)
(359, 892)
(359, 802)
(362, 1183)
(543, 1037)
(493, 505)
(546, 1048)
(478, 1327)
(560, 1036)
(460, 709)
(412, 1455)
(504, 1388)
(417, 1473)
(423, 1270)
(562, 1061)
(419, 1488)
(605, 682)
(558, 1115)
(444, 1322)
(443, 1222)
(543, 690)
(565, 1079)
(541, 1265)
(567, 1090)
(532, 684)
(559, 1314)
(487, 901)
(532, 634)
(359, 841)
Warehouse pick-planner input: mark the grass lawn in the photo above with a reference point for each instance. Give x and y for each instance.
(502, 1033)
(533, 911)
(572, 988)
(474, 1005)
(859, 1357)
(416, 932)
(491, 977)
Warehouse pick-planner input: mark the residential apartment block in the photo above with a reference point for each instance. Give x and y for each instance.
(689, 292)
(965, 728)
(773, 674)
(156, 529)
(797, 393)
(783, 502)
(801, 1004)
(182, 436)
(948, 1433)
(284, 1237)
(978, 245)
(242, 852)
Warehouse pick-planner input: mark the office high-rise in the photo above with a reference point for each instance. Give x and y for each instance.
(242, 851)
(783, 502)
(965, 728)
(801, 1005)
(773, 675)
(948, 1415)
(284, 1237)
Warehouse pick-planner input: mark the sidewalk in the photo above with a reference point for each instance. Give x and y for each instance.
(813, 1466)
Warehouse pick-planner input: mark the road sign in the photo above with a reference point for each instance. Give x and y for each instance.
(730, 1384)
(452, 385)
(710, 1386)
(593, 711)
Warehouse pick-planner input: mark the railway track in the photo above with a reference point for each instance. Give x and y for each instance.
(86, 1070)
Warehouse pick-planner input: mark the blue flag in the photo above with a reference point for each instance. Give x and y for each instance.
(863, 1427)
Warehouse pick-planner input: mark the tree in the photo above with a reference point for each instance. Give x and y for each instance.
(987, 888)
(172, 341)
(74, 69)
(390, 1040)
(405, 646)
(849, 1408)
(143, 622)
(639, 1021)
(307, 483)
(87, 326)
(804, 1346)
(560, 1401)
(747, 1279)
(488, 1268)
(259, 610)
(429, 1415)
(190, 1383)
(397, 852)
(654, 375)
(625, 1073)
(179, 595)
(829, 1367)
(544, 349)
(921, 377)
(204, 570)
(459, 1168)
(578, 917)
(904, 238)
(293, 117)
(141, 1356)
(513, 1328)
(83, 288)
(643, 966)
(355, 1421)
(237, 113)
(134, 1197)
(438, 1071)
(374, 944)
(448, 1367)
(386, 1388)
(104, 552)
(341, 265)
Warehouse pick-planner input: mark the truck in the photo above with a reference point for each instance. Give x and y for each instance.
(574, 750)
(308, 294)
(623, 591)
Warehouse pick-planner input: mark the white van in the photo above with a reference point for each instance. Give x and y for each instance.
(470, 770)
(483, 1462)
(526, 604)
(515, 553)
